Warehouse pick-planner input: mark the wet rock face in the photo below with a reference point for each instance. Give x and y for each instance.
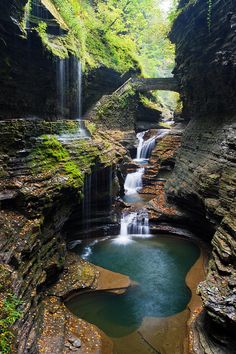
(124, 111)
(40, 186)
(28, 76)
(205, 60)
(204, 178)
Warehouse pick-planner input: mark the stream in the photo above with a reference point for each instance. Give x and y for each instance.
(157, 264)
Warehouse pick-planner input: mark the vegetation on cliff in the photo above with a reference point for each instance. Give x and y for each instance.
(117, 34)
(9, 311)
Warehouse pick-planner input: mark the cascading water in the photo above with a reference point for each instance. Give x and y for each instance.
(135, 223)
(145, 147)
(140, 137)
(133, 181)
(69, 79)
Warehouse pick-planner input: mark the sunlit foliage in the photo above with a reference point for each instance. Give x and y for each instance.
(120, 34)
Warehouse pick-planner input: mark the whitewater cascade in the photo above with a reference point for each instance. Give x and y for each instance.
(145, 147)
(135, 223)
(133, 181)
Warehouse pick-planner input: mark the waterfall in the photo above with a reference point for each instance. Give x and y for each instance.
(69, 88)
(140, 137)
(133, 181)
(62, 80)
(145, 147)
(78, 95)
(135, 223)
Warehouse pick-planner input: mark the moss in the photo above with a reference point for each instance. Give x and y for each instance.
(26, 13)
(75, 175)
(49, 151)
(53, 148)
(55, 44)
(116, 102)
(91, 127)
(50, 156)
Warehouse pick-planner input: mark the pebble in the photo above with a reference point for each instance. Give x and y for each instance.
(77, 343)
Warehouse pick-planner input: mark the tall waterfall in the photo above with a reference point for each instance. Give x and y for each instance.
(78, 86)
(69, 87)
(133, 181)
(135, 223)
(62, 85)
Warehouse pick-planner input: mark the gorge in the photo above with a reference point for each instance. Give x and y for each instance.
(117, 219)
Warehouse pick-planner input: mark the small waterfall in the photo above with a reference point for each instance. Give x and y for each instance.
(133, 181)
(140, 137)
(135, 223)
(145, 147)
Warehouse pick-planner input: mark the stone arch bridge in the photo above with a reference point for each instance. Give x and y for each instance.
(149, 84)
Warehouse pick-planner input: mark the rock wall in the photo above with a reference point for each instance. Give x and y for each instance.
(42, 173)
(125, 110)
(204, 179)
(205, 56)
(28, 73)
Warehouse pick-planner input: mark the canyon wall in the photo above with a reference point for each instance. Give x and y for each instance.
(29, 82)
(204, 178)
(43, 167)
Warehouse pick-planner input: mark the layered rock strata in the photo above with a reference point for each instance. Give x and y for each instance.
(42, 174)
(204, 178)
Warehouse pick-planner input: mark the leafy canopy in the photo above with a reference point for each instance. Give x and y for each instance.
(120, 34)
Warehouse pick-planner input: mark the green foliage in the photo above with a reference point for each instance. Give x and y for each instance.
(26, 14)
(57, 45)
(151, 102)
(117, 34)
(9, 310)
(156, 51)
(209, 14)
(91, 127)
